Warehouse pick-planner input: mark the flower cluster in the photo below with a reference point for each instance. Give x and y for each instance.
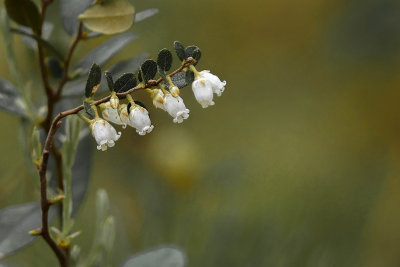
(164, 93)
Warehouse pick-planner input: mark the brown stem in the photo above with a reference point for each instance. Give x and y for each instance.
(45, 204)
(65, 77)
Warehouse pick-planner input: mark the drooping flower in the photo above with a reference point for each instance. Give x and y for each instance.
(218, 87)
(104, 134)
(110, 114)
(176, 108)
(140, 120)
(203, 92)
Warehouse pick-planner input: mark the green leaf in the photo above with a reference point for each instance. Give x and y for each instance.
(10, 99)
(81, 171)
(142, 15)
(24, 12)
(149, 69)
(194, 52)
(15, 223)
(49, 47)
(109, 18)
(88, 109)
(179, 79)
(55, 67)
(196, 55)
(74, 87)
(125, 82)
(70, 10)
(93, 81)
(180, 50)
(47, 29)
(164, 59)
(110, 81)
(161, 257)
(102, 53)
(73, 127)
(189, 77)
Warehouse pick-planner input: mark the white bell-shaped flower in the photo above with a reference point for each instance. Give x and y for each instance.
(203, 92)
(217, 86)
(110, 114)
(104, 134)
(140, 120)
(176, 108)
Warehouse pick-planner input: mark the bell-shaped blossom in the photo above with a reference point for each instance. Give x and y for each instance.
(217, 86)
(140, 120)
(110, 114)
(176, 108)
(104, 134)
(203, 92)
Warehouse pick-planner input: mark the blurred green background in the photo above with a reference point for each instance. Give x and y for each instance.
(297, 164)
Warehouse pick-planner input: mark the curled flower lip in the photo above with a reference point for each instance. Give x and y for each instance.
(104, 134)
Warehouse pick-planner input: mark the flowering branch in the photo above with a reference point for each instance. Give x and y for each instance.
(55, 125)
(123, 95)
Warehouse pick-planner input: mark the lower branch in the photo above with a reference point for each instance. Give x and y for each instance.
(45, 204)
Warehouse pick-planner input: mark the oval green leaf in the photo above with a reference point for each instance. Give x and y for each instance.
(24, 12)
(109, 18)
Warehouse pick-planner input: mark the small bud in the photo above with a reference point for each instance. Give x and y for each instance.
(114, 100)
(35, 232)
(174, 91)
(36, 147)
(64, 243)
(56, 199)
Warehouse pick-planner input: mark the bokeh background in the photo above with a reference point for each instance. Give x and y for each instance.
(297, 164)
